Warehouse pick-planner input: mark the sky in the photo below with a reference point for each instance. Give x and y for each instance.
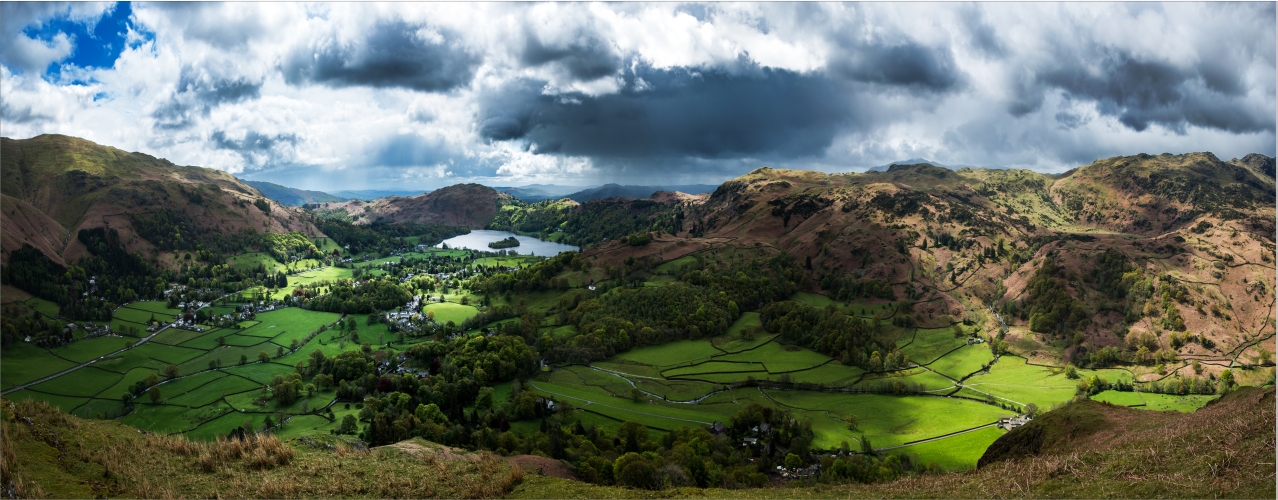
(424, 95)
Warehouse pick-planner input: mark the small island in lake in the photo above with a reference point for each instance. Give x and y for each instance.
(510, 242)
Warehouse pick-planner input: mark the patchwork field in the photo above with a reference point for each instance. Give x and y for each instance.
(937, 409)
(197, 400)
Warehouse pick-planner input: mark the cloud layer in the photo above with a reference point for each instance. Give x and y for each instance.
(350, 96)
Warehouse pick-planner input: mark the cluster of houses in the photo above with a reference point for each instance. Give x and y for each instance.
(187, 324)
(384, 368)
(91, 330)
(811, 470)
(1008, 424)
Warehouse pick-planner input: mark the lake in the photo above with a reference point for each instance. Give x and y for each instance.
(479, 239)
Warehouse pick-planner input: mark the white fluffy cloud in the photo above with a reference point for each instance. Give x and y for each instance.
(336, 96)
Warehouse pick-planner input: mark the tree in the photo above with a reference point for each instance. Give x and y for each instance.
(633, 434)
(348, 425)
(431, 413)
(866, 447)
(793, 461)
(853, 421)
(430, 314)
(1071, 372)
(263, 356)
(1031, 410)
(243, 359)
(154, 393)
(636, 394)
(151, 379)
(1226, 381)
(212, 364)
(171, 371)
(485, 399)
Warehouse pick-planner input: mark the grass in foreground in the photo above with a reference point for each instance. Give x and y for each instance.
(56, 455)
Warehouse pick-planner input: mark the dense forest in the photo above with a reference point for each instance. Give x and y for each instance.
(591, 222)
(381, 237)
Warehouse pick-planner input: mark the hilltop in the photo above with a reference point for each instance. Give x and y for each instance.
(470, 205)
(290, 196)
(54, 186)
(615, 190)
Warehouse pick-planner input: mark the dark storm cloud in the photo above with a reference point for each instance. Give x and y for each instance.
(393, 54)
(904, 63)
(1143, 92)
(253, 145)
(587, 57)
(198, 92)
(685, 113)
(252, 142)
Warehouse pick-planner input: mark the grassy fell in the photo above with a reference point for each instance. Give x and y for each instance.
(47, 453)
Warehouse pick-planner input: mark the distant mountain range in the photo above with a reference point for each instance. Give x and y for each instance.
(911, 161)
(372, 194)
(611, 190)
(533, 193)
(290, 196)
(919, 161)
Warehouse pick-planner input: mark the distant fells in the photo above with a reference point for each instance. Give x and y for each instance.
(290, 196)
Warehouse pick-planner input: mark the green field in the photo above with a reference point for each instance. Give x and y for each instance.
(928, 344)
(964, 361)
(448, 311)
(45, 307)
(87, 381)
(715, 367)
(779, 358)
(166, 354)
(175, 336)
(155, 307)
(1013, 379)
(65, 403)
(23, 362)
(954, 453)
(247, 261)
(323, 274)
(81, 351)
(140, 316)
(292, 320)
(732, 342)
(674, 353)
(886, 420)
(1153, 401)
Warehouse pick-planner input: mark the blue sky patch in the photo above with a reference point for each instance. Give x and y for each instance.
(96, 46)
